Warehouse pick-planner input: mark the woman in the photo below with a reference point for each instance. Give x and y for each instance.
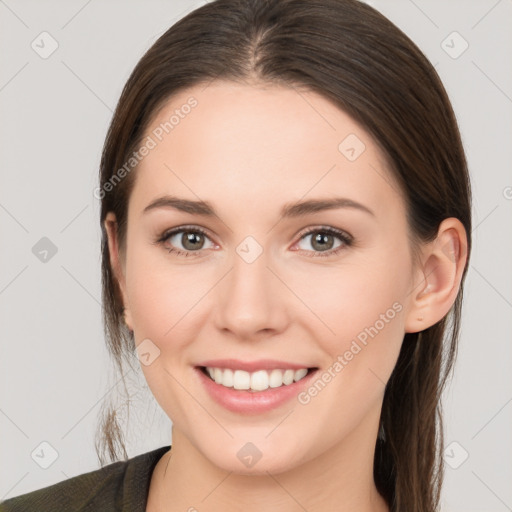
(285, 209)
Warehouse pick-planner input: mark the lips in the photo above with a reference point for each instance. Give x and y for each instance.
(248, 401)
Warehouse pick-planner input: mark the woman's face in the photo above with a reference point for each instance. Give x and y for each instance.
(316, 288)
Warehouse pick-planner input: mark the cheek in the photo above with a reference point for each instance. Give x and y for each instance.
(151, 307)
(367, 317)
(348, 299)
(160, 292)
(362, 309)
(162, 298)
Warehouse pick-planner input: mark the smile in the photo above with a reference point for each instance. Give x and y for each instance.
(259, 380)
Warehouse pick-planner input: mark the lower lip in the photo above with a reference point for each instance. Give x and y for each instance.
(253, 402)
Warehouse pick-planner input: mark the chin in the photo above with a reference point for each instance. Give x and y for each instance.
(252, 462)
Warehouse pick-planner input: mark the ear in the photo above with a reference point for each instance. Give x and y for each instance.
(116, 264)
(439, 276)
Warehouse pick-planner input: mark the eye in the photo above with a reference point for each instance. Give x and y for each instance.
(323, 241)
(190, 238)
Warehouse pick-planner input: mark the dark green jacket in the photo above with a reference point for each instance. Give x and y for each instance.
(122, 486)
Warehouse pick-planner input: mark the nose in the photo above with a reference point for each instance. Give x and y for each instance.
(251, 301)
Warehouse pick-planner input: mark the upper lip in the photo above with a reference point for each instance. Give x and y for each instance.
(252, 366)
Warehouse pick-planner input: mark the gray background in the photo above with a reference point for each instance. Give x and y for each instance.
(54, 115)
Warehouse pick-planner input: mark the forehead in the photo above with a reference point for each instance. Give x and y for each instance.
(259, 145)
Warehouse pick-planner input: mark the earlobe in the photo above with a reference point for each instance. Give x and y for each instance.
(439, 277)
(116, 264)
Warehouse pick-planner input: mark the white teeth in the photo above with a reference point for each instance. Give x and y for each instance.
(276, 378)
(255, 381)
(259, 380)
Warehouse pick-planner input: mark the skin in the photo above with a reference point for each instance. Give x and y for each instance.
(248, 150)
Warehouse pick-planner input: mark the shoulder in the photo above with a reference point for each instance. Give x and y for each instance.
(120, 486)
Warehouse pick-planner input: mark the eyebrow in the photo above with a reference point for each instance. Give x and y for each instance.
(290, 210)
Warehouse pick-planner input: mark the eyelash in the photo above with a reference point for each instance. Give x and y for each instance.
(343, 236)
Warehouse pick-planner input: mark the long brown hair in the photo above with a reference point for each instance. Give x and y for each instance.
(351, 54)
